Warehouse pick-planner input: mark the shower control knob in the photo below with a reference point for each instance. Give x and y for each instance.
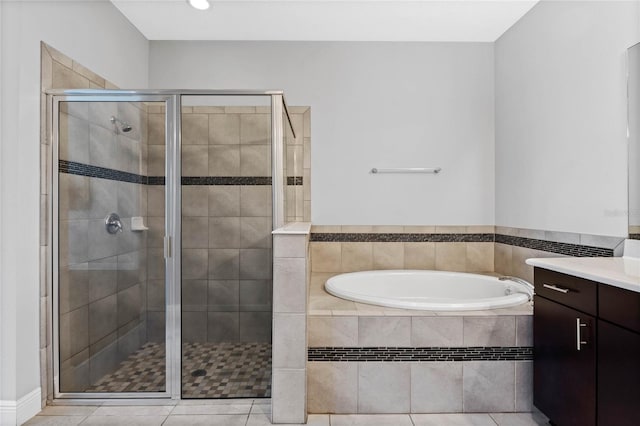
(113, 223)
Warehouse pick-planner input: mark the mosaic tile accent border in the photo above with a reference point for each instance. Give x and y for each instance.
(567, 249)
(226, 180)
(156, 180)
(73, 168)
(401, 238)
(81, 169)
(634, 236)
(294, 180)
(393, 354)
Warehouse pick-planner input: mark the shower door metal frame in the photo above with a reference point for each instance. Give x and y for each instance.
(171, 264)
(173, 219)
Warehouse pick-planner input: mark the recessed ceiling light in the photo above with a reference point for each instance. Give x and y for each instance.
(199, 4)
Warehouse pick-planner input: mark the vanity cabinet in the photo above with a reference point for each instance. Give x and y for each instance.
(618, 357)
(564, 334)
(586, 351)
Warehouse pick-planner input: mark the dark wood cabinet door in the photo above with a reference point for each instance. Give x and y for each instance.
(618, 376)
(564, 378)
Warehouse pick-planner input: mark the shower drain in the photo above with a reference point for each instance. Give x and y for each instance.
(199, 373)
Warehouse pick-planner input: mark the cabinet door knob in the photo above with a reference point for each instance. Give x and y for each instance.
(556, 288)
(579, 341)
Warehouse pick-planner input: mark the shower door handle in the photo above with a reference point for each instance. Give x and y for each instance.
(167, 246)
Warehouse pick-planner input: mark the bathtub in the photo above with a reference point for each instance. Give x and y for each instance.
(428, 290)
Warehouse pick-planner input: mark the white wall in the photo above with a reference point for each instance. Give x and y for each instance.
(634, 137)
(561, 149)
(96, 35)
(372, 105)
(3, 336)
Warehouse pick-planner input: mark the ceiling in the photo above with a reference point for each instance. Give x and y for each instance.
(326, 20)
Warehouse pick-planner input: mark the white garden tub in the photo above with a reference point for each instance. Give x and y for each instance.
(428, 290)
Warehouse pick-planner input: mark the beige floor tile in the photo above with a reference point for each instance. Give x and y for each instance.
(230, 401)
(452, 420)
(55, 420)
(519, 419)
(214, 420)
(318, 420)
(211, 409)
(371, 420)
(259, 419)
(152, 410)
(68, 410)
(261, 409)
(125, 420)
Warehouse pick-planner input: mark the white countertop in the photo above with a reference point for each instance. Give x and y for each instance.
(616, 271)
(293, 228)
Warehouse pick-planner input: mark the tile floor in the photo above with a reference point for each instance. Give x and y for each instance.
(256, 412)
(229, 370)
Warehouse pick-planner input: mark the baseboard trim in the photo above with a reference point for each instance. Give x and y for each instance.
(18, 412)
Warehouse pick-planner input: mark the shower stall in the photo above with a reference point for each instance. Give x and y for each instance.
(162, 209)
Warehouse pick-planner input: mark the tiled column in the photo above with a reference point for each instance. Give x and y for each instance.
(290, 266)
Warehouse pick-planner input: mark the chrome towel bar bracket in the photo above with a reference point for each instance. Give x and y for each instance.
(433, 170)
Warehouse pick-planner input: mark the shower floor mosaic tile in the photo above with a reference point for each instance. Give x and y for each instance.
(209, 370)
(142, 371)
(233, 370)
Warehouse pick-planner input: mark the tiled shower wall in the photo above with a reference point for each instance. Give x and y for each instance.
(297, 165)
(156, 318)
(59, 71)
(227, 218)
(102, 276)
(226, 229)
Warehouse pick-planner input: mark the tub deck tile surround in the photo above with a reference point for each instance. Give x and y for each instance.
(480, 360)
(384, 387)
(436, 387)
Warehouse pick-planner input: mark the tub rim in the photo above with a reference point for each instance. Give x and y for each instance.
(476, 304)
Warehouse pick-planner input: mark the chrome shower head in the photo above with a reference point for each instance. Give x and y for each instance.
(124, 126)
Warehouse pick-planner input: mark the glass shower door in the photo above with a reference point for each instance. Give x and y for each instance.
(109, 265)
(226, 246)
